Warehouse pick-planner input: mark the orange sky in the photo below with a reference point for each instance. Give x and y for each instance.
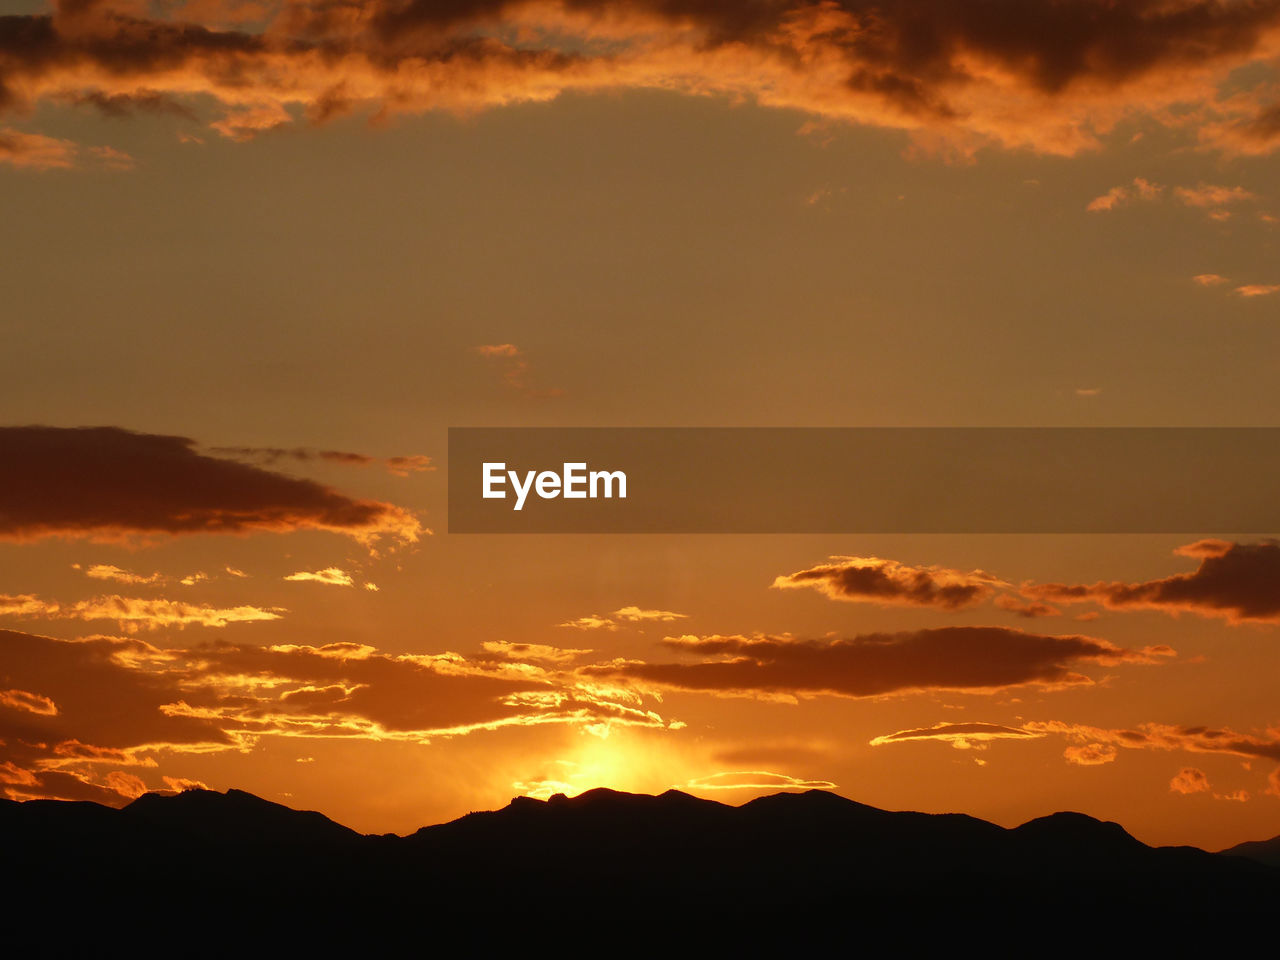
(273, 254)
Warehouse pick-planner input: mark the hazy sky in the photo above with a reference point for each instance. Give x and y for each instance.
(289, 231)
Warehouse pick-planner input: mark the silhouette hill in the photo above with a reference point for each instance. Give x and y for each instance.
(1264, 851)
(811, 859)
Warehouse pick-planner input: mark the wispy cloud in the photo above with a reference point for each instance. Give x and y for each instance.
(516, 372)
(332, 576)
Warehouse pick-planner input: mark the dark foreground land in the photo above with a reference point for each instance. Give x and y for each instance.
(211, 866)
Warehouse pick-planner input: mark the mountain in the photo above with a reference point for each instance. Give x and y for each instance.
(807, 862)
(1264, 851)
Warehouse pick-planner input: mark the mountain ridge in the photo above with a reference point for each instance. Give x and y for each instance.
(813, 853)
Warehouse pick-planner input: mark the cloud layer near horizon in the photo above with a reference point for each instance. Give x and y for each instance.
(105, 483)
(955, 74)
(76, 711)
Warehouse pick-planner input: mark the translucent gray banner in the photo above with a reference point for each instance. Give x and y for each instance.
(1222, 480)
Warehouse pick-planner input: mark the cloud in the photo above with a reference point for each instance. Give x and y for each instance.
(105, 483)
(972, 659)
(112, 159)
(1256, 134)
(401, 466)
(1258, 290)
(754, 780)
(1168, 737)
(1212, 195)
(1052, 77)
(591, 622)
(33, 151)
(124, 704)
(1206, 196)
(498, 350)
(134, 612)
(1210, 279)
(1236, 581)
(515, 370)
(1089, 754)
(638, 615)
(333, 576)
(887, 582)
(1089, 746)
(1140, 189)
(962, 736)
(630, 614)
(532, 651)
(108, 571)
(30, 702)
(1030, 610)
(1190, 780)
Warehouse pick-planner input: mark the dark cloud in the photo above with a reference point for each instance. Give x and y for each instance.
(1235, 581)
(121, 105)
(1053, 76)
(873, 580)
(107, 483)
(975, 659)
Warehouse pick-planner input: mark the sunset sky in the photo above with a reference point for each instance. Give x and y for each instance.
(270, 250)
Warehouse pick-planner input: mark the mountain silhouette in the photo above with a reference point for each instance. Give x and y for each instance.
(1264, 851)
(810, 861)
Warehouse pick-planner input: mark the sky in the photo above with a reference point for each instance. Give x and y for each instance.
(259, 256)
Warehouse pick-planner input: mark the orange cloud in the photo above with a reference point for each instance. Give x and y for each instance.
(1236, 581)
(1140, 189)
(1089, 754)
(973, 659)
(591, 622)
(1093, 746)
(135, 611)
(1162, 736)
(1212, 195)
(1190, 780)
(146, 484)
(108, 571)
(887, 582)
(1258, 290)
(33, 151)
(962, 736)
(1053, 77)
(122, 703)
(637, 615)
(1210, 279)
(515, 370)
(630, 614)
(333, 576)
(755, 780)
(532, 651)
(30, 702)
